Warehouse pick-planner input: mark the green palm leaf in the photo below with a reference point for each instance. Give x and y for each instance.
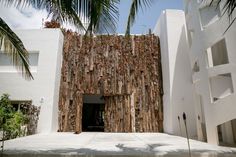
(135, 6)
(14, 47)
(99, 15)
(63, 11)
(103, 16)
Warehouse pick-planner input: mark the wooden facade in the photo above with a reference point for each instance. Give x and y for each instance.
(125, 70)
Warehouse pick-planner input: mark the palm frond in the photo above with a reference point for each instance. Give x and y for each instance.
(229, 8)
(103, 16)
(63, 11)
(135, 6)
(100, 15)
(13, 46)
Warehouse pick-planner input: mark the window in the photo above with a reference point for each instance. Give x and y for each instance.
(196, 67)
(227, 133)
(6, 64)
(217, 54)
(22, 106)
(221, 86)
(209, 14)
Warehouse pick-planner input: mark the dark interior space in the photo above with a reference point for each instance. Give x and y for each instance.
(22, 106)
(227, 133)
(93, 117)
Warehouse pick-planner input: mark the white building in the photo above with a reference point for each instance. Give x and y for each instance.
(213, 59)
(45, 47)
(199, 74)
(177, 74)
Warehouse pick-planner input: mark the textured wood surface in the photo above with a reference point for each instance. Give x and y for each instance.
(125, 70)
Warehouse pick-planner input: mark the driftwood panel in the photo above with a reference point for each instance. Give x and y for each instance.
(125, 70)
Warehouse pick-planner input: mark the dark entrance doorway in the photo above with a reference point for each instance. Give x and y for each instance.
(93, 113)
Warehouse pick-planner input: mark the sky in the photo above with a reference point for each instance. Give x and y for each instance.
(30, 18)
(147, 18)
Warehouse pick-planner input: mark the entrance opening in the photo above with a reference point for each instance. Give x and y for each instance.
(227, 133)
(93, 113)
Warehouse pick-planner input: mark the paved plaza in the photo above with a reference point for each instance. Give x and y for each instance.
(111, 144)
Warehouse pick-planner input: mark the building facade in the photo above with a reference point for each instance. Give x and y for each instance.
(198, 72)
(123, 71)
(212, 56)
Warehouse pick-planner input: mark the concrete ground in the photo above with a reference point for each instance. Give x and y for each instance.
(111, 144)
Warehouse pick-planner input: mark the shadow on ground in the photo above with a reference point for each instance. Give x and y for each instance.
(152, 150)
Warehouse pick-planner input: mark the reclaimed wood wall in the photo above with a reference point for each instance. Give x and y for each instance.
(125, 70)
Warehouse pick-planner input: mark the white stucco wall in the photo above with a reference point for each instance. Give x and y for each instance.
(44, 89)
(176, 68)
(203, 38)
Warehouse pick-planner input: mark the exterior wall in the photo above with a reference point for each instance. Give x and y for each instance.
(126, 71)
(44, 89)
(205, 29)
(176, 68)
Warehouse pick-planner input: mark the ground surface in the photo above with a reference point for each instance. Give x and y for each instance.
(111, 144)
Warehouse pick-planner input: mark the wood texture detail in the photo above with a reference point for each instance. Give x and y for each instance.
(125, 70)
